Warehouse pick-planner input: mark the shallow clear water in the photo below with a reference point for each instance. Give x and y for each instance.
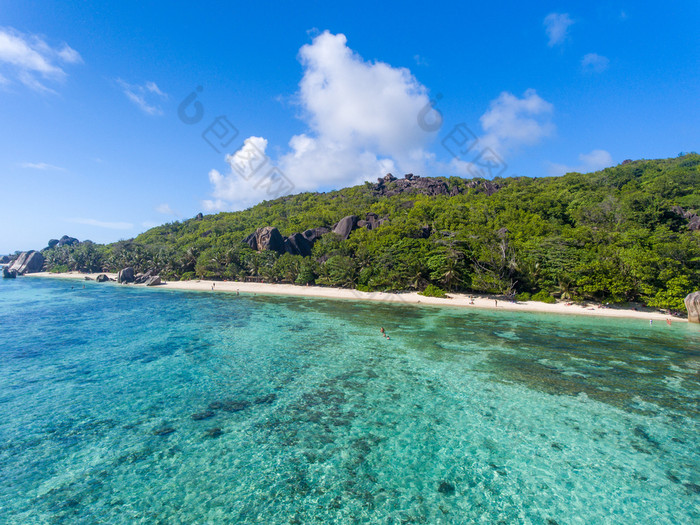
(128, 405)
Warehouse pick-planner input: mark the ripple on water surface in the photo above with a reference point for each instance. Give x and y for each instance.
(122, 405)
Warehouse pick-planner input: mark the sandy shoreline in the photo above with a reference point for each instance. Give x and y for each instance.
(456, 300)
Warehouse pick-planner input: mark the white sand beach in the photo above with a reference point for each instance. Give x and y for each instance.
(454, 300)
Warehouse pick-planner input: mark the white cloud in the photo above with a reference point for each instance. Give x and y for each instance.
(362, 118)
(593, 161)
(556, 25)
(460, 168)
(146, 97)
(165, 209)
(244, 184)
(153, 88)
(594, 63)
(511, 122)
(350, 101)
(420, 61)
(69, 55)
(215, 205)
(103, 224)
(363, 121)
(31, 61)
(40, 166)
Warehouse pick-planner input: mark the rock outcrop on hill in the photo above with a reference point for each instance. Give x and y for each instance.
(345, 226)
(297, 244)
(389, 185)
(692, 304)
(67, 241)
(315, 234)
(28, 262)
(693, 218)
(5, 259)
(267, 238)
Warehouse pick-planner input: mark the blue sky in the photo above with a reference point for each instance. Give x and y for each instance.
(307, 96)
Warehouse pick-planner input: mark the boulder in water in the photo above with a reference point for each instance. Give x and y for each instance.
(8, 274)
(102, 278)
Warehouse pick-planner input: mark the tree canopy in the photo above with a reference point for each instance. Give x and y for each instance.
(615, 235)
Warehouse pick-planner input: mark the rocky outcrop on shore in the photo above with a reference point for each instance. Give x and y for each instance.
(153, 281)
(126, 275)
(8, 274)
(141, 278)
(692, 304)
(5, 259)
(28, 262)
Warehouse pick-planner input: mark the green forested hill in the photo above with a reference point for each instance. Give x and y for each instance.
(620, 234)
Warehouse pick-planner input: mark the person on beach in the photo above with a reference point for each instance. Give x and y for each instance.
(471, 299)
(495, 302)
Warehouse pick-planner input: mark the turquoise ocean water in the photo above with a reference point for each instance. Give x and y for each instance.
(132, 405)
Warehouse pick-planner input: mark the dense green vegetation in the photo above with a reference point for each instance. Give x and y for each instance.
(606, 236)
